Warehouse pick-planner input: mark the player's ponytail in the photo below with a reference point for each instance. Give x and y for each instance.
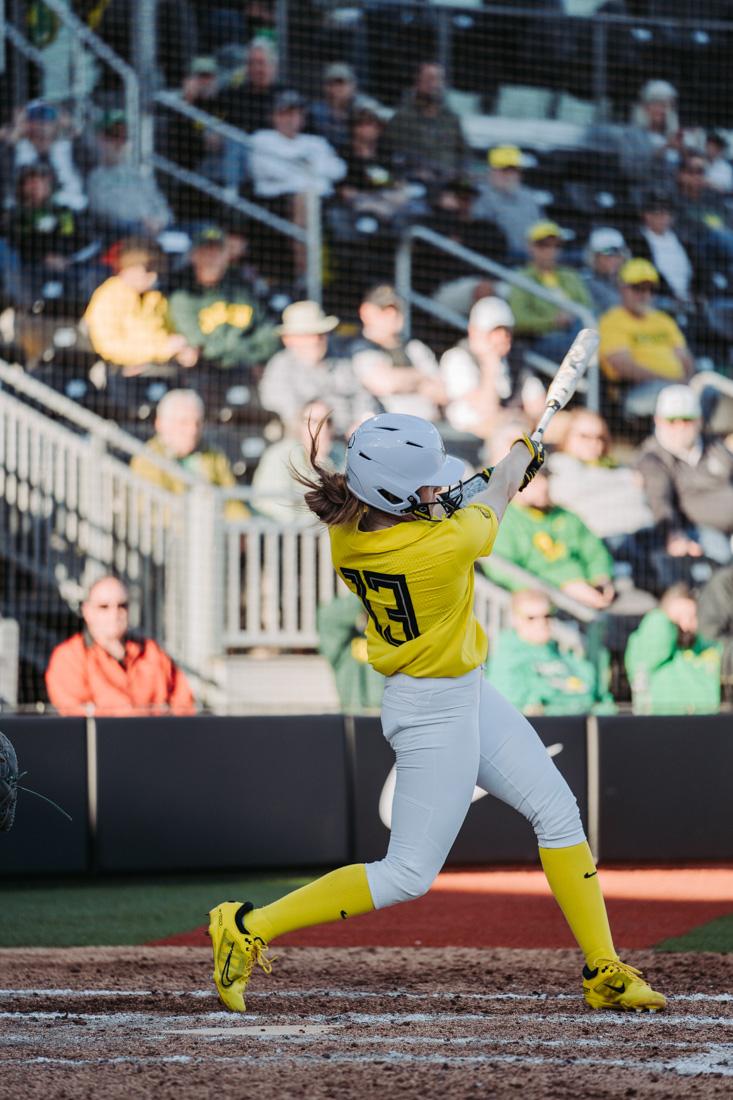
(328, 495)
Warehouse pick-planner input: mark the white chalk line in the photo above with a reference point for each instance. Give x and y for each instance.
(714, 1062)
(628, 1019)
(338, 994)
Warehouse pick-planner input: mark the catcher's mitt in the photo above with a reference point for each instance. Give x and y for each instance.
(8, 783)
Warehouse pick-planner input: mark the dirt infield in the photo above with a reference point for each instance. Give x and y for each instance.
(138, 1022)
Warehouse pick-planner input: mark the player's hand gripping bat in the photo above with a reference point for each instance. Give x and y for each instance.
(560, 390)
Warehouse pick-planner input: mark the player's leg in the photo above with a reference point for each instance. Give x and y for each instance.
(433, 727)
(515, 767)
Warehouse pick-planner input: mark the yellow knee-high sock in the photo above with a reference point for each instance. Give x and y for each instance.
(571, 873)
(335, 896)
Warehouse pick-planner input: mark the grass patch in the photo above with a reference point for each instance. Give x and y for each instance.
(127, 910)
(716, 935)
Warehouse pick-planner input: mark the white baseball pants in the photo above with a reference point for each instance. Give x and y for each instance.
(449, 735)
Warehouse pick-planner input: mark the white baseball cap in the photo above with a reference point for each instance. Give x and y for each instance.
(606, 239)
(658, 91)
(678, 403)
(491, 313)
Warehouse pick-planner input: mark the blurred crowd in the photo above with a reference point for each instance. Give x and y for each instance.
(189, 324)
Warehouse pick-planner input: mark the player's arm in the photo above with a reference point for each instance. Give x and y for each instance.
(510, 475)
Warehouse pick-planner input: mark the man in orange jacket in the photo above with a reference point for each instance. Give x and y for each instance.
(103, 671)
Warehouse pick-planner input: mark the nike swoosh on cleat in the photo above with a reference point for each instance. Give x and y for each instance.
(590, 874)
(344, 914)
(617, 988)
(226, 980)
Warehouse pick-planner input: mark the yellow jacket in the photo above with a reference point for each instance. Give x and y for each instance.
(126, 327)
(210, 465)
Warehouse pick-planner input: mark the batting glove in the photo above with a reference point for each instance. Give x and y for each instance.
(536, 461)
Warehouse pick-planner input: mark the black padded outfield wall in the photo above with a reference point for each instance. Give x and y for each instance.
(666, 788)
(53, 753)
(492, 832)
(206, 792)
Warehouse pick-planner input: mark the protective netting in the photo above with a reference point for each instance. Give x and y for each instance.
(291, 209)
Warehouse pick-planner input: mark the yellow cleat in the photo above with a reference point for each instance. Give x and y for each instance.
(235, 952)
(613, 984)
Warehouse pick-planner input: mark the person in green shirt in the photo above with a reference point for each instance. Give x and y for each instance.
(672, 669)
(551, 328)
(528, 666)
(555, 545)
(219, 316)
(342, 641)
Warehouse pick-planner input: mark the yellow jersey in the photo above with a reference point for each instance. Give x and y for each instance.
(652, 340)
(415, 581)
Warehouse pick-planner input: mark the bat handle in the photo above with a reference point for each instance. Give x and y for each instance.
(545, 419)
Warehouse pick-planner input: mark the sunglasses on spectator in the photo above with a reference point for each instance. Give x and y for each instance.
(537, 618)
(608, 252)
(548, 242)
(680, 419)
(642, 288)
(107, 606)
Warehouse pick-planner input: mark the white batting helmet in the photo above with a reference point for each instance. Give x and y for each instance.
(391, 456)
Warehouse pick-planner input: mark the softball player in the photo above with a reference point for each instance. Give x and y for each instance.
(449, 728)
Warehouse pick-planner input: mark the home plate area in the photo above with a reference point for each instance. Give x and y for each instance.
(135, 1022)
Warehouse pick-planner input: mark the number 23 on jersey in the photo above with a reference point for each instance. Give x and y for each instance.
(401, 614)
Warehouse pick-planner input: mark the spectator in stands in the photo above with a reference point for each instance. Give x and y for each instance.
(703, 221)
(550, 327)
(187, 142)
(402, 376)
(585, 478)
(449, 280)
(216, 314)
(688, 479)
(649, 146)
(249, 104)
(424, 137)
(555, 545)
(52, 244)
(658, 242)
(342, 641)
(127, 318)
(604, 256)
(331, 116)
(179, 425)
(672, 669)
(285, 162)
(305, 371)
(477, 377)
(35, 137)
(718, 170)
(123, 198)
(276, 493)
(715, 609)
(641, 348)
(367, 168)
(506, 202)
(528, 666)
(103, 671)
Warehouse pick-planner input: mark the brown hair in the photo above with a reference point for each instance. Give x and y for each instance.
(328, 495)
(680, 590)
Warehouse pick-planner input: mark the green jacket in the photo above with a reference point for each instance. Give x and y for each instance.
(342, 642)
(542, 679)
(535, 316)
(555, 545)
(225, 323)
(209, 464)
(667, 679)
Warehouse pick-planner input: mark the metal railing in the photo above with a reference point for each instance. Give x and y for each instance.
(403, 283)
(310, 236)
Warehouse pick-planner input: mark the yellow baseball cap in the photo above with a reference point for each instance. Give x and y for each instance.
(505, 156)
(638, 271)
(540, 231)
